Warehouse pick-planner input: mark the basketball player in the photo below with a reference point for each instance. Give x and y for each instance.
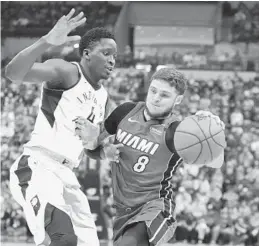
(144, 148)
(42, 180)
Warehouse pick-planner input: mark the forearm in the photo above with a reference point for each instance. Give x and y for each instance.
(96, 154)
(21, 64)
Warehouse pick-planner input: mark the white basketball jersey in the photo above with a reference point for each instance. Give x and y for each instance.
(55, 129)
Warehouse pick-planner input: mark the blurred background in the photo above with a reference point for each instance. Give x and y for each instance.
(215, 44)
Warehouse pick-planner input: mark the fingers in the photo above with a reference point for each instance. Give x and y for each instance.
(78, 17)
(79, 119)
(218, 121)
(78, 133)
(209, 114)
(82, 121)
(73, 38)
(70, 14)
(78, 23)
(73, 23)
(111, 139)
(203, 112)
(117, 152)
(112, 152)
(120, 145)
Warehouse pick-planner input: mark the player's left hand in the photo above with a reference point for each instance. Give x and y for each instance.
(87, 132)
(213, 116)
(111, 151)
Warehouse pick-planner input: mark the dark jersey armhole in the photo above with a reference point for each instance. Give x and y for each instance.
(169, 136)
(114, 119)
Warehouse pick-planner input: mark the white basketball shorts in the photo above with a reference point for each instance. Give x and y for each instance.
(36, 181)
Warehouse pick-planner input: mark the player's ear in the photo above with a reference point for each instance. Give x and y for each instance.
(86, 53)
(178, 99)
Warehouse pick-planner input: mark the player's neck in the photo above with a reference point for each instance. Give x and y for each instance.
(96, 84)
(148, 117)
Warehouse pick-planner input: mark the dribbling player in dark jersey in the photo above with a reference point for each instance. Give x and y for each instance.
(144, 162)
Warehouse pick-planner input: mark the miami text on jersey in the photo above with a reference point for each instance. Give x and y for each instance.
(136, 142)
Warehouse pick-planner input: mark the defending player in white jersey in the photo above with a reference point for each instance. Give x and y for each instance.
(41, 179)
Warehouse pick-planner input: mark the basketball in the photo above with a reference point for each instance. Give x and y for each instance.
(199, 139)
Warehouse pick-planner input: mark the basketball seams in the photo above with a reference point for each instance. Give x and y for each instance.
(195, 139)
(200, 141)
(204, 136)
(189, 134)
(199, 153)
(214, 135)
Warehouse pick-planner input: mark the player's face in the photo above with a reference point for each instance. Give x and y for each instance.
(161, 99)
(102, 58)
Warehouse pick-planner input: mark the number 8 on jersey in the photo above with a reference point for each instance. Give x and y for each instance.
(140, 165)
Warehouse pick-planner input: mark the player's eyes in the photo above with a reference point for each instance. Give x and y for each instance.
(164, 95)
(106, 53)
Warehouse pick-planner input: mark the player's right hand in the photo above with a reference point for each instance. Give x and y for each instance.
(87, 132)
(58, 34)
(112, 151)
(209, 114)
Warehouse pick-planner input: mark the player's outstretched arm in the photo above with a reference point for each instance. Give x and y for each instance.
(23, 66)
(97, 145)
(106, 150)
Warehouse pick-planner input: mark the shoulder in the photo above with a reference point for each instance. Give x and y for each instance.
(122, 110)
(60, 64)
(67, 71)
(112, 122)
(126, 107)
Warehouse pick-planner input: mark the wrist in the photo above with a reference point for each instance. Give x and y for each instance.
(45, 41)
(102, 153)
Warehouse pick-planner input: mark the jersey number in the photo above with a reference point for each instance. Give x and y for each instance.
(91, 115)
(140, 166)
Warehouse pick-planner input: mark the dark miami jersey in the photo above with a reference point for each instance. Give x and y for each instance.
(147, 160)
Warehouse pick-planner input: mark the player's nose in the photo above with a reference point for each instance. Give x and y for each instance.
(156, 98)
(111, 60)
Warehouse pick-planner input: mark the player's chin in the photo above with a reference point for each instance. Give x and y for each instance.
(106, 74)
(154, 113)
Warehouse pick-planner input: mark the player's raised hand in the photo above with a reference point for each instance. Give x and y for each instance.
(58, 35)
(209, 114)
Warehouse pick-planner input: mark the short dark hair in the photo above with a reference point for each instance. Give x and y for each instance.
(92, 36)
(173, 77)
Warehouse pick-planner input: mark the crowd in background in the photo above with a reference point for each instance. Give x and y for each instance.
(27, 18)
(203, 58)
(36, 19)
(211, 206)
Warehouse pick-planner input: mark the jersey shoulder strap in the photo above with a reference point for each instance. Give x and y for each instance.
(170, 120)
(135, 109)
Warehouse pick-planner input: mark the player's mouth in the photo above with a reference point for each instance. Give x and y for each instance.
(109, 69)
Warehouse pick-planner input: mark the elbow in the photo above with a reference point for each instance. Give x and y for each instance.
(7, 72)
(10, 74)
